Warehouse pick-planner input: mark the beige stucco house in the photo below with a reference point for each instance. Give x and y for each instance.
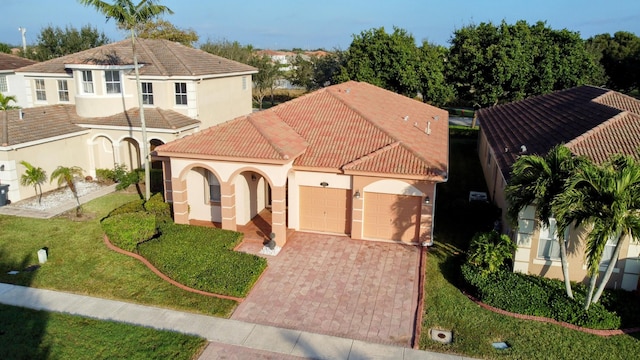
(350, 159)
(590, 121)
(12, 84)
(82, 109)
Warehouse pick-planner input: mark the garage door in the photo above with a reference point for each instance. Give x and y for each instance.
(391, 217)
(325, 210)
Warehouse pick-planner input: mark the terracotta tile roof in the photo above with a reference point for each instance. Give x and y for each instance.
(159, 57)
(40, 123)
(12, 62)
(352, 126)
(591, 121)
(154, 118)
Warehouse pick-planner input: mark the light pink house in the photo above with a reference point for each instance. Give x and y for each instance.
(349, 159)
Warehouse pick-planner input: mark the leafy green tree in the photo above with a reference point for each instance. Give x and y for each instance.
(5, 48)
(391, 61)
(302, 73)
(490, 251)
(66, 175)
(326, 69)
(53, 42)
(229, 50)
(491, 64)
(5, 101)
(604, 200)
(265, 80)
(128, 15)
(538, 181)
(163, 29)
(33, 176)
(620, 57)
(433, 85)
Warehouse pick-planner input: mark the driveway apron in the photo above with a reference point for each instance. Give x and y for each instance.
(338, 286)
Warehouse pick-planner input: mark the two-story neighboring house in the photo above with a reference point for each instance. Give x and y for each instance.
(12, 84)
(93, 96)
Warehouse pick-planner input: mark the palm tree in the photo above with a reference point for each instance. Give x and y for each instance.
(66, 175)
(605, 200)
(4, 106)
(129, 15)
(34, 176)
(537, 180)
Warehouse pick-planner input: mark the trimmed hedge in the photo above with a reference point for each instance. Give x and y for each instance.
(538, 296)
(127, 230)
(198, 257)
(203, 258)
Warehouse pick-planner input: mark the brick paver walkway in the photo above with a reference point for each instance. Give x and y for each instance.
(337, 286)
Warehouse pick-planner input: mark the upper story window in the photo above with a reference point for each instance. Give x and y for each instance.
(87, 81)
(112, 80)
(181, 93)
(4, 86)
(147, 93)
(63, 90)
(41, 94)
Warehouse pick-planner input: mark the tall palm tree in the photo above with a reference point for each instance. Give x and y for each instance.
(34, 176)
(537, 181)
(66, 175)
(4, 106)
(605, 200)
(129, 15)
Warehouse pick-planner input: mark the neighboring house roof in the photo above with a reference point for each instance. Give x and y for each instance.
(154, 118)
(12, 62)
(351, 127)
(590, 121)
(39, 123)
(44, 122)
(157, 57)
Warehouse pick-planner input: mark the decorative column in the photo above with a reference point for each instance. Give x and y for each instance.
(228, 205)
(279, 214)
(180, 203)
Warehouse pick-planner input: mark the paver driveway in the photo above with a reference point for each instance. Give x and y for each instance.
(337, 286)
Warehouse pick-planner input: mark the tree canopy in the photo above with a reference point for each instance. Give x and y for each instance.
(619, 55)
(491, 64)
(163, 29)
(5, 48)
(53, 42)
(229, 50)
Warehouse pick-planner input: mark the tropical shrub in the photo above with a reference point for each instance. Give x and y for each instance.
(490, 251)
(535, 295)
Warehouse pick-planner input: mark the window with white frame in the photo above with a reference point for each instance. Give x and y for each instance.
(41, 94)
(4, 86)
(112, 80)
(214, 188)
(147, 93)
(607, 253)
(63, 91)
(87, 82)
(181, 93)
(548, 244)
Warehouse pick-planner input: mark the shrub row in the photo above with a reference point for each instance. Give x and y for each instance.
(199, 257)
(538, 296)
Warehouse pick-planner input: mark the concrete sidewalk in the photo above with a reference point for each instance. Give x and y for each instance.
(227, 336)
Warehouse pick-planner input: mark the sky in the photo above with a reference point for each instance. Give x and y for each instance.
(329, 24)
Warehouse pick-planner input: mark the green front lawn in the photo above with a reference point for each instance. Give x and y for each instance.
(79, 262)
(31, 334)
(474, 329)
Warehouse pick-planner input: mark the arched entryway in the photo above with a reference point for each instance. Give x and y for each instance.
(253, 204)
(103, 153)
(130, 154)
(157, 183)
(204, 195)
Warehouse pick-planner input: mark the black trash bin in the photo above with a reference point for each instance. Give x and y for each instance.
(4, 194)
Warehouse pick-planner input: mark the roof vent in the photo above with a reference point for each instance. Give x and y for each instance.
(406, 117)
(428, 129)
(506, 149)
(523, 149)
(21, 114)
(348, 90)
(436, 118)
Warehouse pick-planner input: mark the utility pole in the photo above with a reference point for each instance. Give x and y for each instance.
(24, 39)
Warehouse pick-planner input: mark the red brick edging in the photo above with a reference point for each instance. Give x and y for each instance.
(165, 277)
(552, 321)
(417, 326)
